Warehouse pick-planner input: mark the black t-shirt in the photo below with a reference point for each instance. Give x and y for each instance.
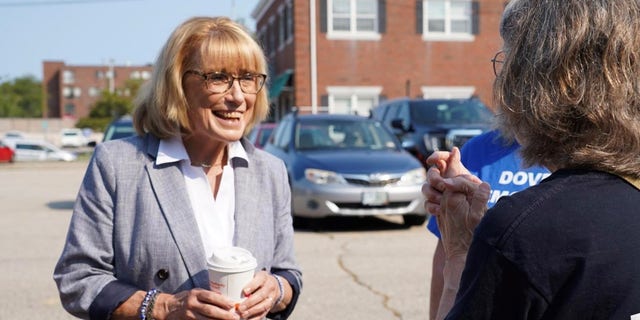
(568, 248)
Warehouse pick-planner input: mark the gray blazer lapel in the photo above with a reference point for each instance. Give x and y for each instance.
(246, 189)
(169, 187)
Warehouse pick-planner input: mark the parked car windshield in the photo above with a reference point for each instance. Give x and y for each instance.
(121, 128)
(429, 112)
(342, 134)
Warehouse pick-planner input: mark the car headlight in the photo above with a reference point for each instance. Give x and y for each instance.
(318, 176)
(413, 177)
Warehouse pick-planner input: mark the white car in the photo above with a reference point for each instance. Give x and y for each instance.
(73, 138)
(39, 150)
(13, 136)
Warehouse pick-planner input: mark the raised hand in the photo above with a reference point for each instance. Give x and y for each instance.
(464, 203)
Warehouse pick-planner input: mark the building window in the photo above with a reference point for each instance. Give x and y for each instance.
(99, 74)
(448, 20)
(70, 92)
(145, 75)
(93, 92)
(69, 109)
(435, 92)
(289, 22)
(352, 19)
(273, 37)
(285, 25)
(353, 100)
(282, 26)
(135, 75)
(68, 77)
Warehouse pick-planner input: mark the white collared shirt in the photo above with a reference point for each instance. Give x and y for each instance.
(215, 217)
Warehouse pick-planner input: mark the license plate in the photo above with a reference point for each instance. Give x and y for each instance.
(374, 198)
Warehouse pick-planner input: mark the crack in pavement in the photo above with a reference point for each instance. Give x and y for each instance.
(385, 298)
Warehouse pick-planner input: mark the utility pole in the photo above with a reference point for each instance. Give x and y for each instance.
(111, 76)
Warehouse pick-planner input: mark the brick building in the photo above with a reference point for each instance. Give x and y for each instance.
(72, 90)
(344, 56)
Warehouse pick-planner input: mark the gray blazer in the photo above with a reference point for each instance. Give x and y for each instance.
(133, 227)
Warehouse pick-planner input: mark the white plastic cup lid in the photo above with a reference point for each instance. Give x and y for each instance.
(231, 259)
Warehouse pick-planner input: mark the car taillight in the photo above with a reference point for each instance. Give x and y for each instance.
(432, 142)
(458, 137)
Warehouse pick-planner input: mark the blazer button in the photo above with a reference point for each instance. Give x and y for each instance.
(162, 274)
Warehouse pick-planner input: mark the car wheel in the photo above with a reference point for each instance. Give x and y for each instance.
(413, 219)
(301, 222)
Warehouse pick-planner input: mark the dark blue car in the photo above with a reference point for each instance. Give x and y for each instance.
(346, 165)
(427, 125)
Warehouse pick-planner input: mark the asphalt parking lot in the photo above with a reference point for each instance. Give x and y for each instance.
(371, 268)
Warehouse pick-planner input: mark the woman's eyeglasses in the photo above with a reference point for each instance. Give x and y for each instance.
(498, 61)
(221, 82)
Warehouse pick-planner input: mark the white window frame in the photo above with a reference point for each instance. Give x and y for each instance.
(93, 91)
(68, 77)
(282, 28)
(353, 33)
(272, 37)
(285, 25)
(447, 35)
(289, 29)
(67, 92)
(353, 94)
(444, 92)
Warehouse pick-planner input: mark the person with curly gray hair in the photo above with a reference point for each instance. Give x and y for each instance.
(567, 89)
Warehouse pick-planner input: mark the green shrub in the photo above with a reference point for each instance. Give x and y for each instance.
(96, 124)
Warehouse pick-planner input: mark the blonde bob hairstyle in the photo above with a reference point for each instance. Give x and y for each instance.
(218, 43)
(569, 89)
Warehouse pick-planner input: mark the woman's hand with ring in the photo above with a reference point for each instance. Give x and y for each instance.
(262, 293)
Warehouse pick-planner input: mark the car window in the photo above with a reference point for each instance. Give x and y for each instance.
(379, 112)
(264, 135)
(342, 134)
(404, 114)
(28, 146)
(119, 130)
(450, 112)
(283, 134)
(252, 134)
(390, 114)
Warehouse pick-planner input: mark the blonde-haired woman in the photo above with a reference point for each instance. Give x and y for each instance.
(153, 207)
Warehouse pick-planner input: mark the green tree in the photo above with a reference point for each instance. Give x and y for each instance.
(111, 105)
(21, 98)
(118, 103)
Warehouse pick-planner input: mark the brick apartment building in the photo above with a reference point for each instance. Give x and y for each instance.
(345, 56)
(72, 90)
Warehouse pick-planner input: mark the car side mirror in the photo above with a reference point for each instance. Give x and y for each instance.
(399, 124)
(408, 144)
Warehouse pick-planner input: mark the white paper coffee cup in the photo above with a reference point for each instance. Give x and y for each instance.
(230, 269)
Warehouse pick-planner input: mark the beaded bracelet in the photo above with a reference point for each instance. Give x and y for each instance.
(146, 309)
(281, 287)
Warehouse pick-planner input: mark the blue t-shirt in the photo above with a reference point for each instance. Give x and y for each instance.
(492, 160)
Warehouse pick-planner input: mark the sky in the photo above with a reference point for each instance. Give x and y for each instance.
(94, 32)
